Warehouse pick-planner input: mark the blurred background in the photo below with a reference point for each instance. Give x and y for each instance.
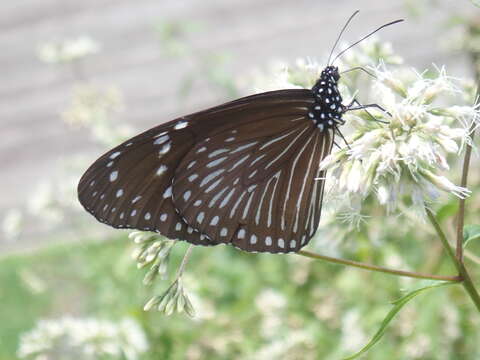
(80, 76)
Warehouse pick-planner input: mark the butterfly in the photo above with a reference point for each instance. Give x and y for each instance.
(244, 173)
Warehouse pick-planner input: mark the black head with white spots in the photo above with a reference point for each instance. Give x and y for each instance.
(327, 110)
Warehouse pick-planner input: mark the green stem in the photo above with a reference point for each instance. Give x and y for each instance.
(463, 273)
(377, 268)
(461, 205)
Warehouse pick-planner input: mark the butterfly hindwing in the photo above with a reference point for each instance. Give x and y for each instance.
(258, 190)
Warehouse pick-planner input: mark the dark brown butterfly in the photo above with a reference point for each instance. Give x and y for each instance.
(244, 173)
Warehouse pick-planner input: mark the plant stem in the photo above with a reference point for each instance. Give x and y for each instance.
(465, 277)
(461, 205)
(378, 268)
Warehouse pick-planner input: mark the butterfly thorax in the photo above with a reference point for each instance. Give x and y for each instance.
(327, 109)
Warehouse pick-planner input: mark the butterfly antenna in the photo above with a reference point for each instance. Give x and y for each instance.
(340, 35)
(366, 36)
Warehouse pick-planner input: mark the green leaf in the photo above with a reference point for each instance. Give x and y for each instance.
(397, 306)
(448, 210)
(470, 232)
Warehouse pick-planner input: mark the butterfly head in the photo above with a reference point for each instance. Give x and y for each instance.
(331, 73)
(327, 110)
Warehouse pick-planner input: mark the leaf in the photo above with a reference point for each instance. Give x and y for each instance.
(397, 306)
(447, 211)
(470, 232)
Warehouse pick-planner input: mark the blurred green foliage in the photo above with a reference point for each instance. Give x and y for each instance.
(249, 305)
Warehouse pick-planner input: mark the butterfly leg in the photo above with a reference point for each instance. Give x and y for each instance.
(360, 106)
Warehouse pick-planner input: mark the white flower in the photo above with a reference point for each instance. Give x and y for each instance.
(83, 339)
(68, 50)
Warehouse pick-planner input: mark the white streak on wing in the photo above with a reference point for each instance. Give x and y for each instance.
(253, 174)
(287, 148)
(214, 221)
(257, 159)
(304, 183)
(211, 176)
(216, 197)
(259, 207)
(278, 138)
(216, 162)
(239, 162)
(227, 198)
(247, 206)
(235, 206)
(214, 185)
(243, 147)
(270, 209)
(217, 152)
(299, 118)
(292, 173)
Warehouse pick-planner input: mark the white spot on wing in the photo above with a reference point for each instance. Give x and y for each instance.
(113, 175)
(186, 195)
(161, 170)
(161, 140)
(214, 220)
(224, 232)
(119, 193)
(168, 192)
(241, 234)
(147, 216)
(281, 243)
(180, 125)
(268, 240)
(253, 239)
(165, 149)
(115, 154)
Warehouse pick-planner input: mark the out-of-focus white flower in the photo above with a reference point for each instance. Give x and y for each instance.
(97, 108)
(302, 74)
(83, 339)
(368, 53)
(353, 337)
(270, 303)
(12, 224)
(68, 50)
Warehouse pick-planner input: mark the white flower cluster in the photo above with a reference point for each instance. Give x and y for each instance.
(153, 250)
(83, 339)
(403, 159)
(67, 50)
